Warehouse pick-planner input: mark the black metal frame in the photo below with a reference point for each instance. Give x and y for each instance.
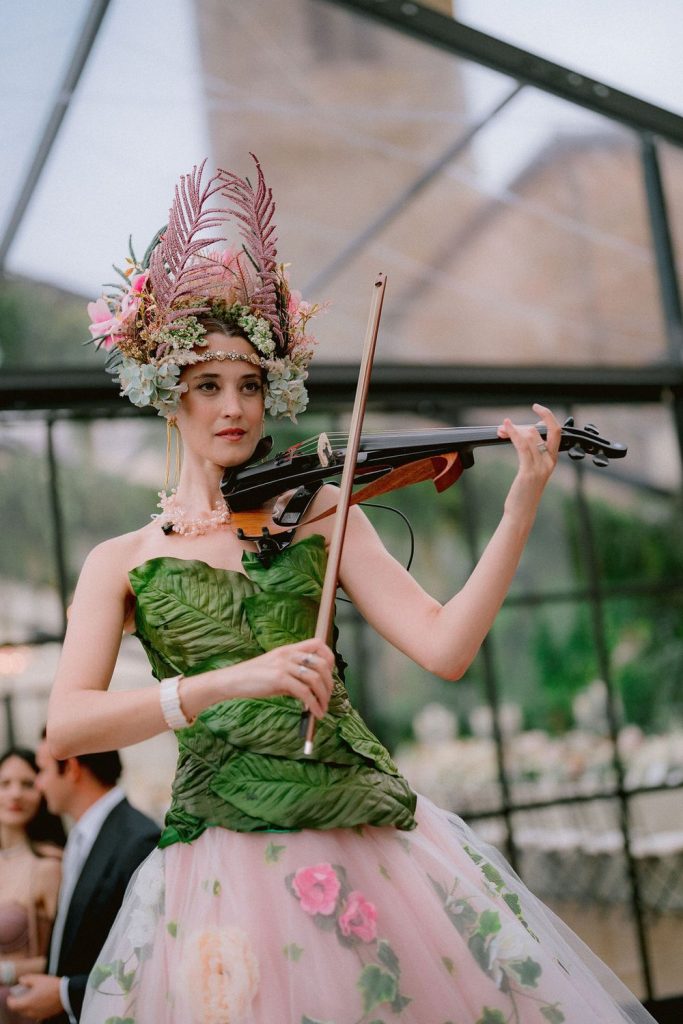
(439, 388)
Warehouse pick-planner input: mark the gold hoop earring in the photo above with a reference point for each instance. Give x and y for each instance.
(173, 440)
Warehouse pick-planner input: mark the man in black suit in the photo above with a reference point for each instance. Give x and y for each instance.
(106, 844)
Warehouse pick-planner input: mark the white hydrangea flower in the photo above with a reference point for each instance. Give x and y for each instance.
(150, 384)
(287, 395)
(137, 382)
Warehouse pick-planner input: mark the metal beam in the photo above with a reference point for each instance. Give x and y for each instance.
(665, 255)
(429, 26)
(432, 389)
(395, 387)
(79, 57)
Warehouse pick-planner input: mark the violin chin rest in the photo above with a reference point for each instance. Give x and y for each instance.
(262, 449)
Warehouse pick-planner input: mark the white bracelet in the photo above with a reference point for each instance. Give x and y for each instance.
(171, 709)
(8, 972)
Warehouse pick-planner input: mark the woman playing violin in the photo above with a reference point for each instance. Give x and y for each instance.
(287, 888)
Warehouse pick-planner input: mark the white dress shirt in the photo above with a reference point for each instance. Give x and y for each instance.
(77, 850)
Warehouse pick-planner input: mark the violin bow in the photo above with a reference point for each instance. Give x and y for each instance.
(331, 581)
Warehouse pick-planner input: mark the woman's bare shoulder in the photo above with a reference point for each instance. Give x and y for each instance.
(112, 559)
(119, 552)
(49, 850)
(48, 872)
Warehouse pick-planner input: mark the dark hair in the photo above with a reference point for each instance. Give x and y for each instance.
(105, 766)
(43, 827)
(212, 322)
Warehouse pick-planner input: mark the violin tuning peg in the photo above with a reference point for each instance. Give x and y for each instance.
(590, 428)
(600, 459)
(576, 453)
(569, 422)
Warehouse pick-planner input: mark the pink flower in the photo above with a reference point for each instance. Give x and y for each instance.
(317, 888)
(103, 322)
(138, 282)
(100, 316)
(294, 303)
(130, 303)
(359, 918)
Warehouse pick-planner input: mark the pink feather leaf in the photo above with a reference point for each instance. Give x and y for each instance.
(254, 209)
(174, 271)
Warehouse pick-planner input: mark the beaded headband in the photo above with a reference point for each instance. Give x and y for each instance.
(151, 325)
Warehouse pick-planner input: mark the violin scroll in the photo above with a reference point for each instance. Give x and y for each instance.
(590, 443)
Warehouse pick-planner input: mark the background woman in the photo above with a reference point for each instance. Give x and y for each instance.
(287, 888)
(30, 850)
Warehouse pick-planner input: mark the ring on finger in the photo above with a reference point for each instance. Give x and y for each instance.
(308, 660)
(542, 446)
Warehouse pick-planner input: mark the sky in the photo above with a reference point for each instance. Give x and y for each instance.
(119, 151)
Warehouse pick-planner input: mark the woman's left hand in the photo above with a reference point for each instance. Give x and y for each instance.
(537, 459)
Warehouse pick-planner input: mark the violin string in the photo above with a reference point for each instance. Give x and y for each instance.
(411, 532)
(424, 432)
(339, 437)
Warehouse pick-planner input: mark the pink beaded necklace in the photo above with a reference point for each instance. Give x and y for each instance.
(173, 518)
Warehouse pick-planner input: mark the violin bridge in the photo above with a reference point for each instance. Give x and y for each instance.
(325, 452)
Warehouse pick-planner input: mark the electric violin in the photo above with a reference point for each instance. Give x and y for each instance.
(269, 500)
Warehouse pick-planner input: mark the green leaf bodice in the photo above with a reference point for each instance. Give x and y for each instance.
(241, 764)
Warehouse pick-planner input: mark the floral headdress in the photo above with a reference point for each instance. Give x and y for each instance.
(151, 324)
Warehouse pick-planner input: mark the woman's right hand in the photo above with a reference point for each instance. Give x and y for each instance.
(302, 670)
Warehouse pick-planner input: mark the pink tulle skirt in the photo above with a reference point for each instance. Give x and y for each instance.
(350, 926)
